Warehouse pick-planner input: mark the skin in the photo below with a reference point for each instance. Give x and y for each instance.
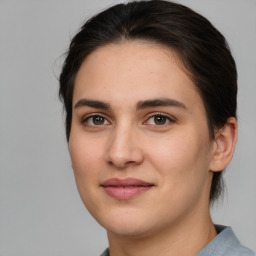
(176, 156)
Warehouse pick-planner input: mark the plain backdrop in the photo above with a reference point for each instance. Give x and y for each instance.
(40, 210)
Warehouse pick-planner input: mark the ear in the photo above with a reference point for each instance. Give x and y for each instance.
(224, 145)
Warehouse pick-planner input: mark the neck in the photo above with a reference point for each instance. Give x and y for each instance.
(184, 239)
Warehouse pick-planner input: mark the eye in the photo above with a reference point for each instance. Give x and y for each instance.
(95, 120)
(159, 119)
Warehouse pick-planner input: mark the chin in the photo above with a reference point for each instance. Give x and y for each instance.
(127, 223)
(128, 230)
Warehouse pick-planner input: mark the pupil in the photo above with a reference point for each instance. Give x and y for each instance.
(98, 120)
(160, 120)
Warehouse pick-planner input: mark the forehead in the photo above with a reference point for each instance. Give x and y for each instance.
(136, 70)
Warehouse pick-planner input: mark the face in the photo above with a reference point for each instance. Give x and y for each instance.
(139, 141)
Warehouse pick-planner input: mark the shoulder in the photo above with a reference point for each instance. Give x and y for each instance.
(241, 251)
(225, 244)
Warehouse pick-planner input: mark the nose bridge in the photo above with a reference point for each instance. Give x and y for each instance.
(123, 148)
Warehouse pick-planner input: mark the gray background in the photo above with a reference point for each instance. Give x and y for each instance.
(40, 210)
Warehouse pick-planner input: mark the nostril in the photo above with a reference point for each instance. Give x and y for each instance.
(131, 163)
(121, 162)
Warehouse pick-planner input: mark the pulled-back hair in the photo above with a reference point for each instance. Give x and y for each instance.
(201, 48)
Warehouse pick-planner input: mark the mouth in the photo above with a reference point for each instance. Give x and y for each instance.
(125, 188)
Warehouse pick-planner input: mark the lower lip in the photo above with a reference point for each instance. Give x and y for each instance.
(126, 192)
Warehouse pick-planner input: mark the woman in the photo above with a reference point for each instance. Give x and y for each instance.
(149, 90)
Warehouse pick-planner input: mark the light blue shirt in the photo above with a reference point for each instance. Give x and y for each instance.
(224, 244)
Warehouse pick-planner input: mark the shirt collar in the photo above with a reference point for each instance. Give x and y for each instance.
(222, 243)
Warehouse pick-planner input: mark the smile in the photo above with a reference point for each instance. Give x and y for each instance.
(125, 188)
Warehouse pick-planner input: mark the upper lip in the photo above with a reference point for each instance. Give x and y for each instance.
(116, 182)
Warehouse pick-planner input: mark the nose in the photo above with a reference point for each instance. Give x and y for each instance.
(123, 149)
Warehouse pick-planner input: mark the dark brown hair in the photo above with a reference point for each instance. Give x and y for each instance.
(202, 49)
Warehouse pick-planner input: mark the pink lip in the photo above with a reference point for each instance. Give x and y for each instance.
(125, 188)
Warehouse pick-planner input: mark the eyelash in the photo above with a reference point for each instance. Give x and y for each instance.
(86, 118)
(167, 119)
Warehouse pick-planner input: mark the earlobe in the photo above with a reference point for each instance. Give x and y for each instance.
(224, 145)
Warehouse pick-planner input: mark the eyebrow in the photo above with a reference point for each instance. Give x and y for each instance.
(161, 102)
(92, 104)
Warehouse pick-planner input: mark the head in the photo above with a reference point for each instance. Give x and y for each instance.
(200, 50)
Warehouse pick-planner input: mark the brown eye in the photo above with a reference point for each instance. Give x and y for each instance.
(160, 120)
(98, 120)
(95, 120)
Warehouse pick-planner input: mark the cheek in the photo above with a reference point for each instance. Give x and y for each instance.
(182, 160)
(176, 150)
(83, 149)
(183, 168)
(85, 157)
